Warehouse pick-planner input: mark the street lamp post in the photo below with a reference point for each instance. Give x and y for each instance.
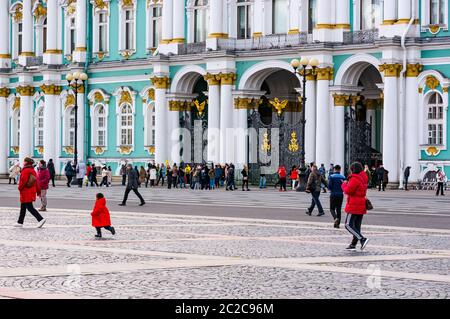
(300, 68)
(74, 81)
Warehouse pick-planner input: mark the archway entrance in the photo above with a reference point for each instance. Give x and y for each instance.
(275, 126)
(363, 120)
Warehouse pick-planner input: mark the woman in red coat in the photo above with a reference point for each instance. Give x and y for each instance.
(100, 216)
(28, 188)
(355, 189)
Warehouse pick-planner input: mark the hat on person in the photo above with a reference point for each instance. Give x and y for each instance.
(28, 160)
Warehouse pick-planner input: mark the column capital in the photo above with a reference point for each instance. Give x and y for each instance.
(4, 92)
(180, 105)
(51, 89)
(80, 87)
(160, 82)
(25, 90)
(371, 104)
(341, 99)
(391, 70)
(212, 79)
(242, 103)
(325, 74)
(227, 78)
(413, 70)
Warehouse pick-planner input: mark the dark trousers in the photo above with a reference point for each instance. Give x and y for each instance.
(160, 178)
(104, 181)
(336, 206)
(406, 184)
(12, 179)
(94, 181)
(99, 229)
(53, 180)
(440, 188)
(23, 210)
(69, 180)
(283, 183)
(353, 225)
(127, 191)
(381, 185)
(124, 180)
(315, 201)
(245, 184)
(80, 182)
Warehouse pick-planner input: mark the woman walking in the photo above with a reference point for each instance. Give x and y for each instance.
(104, 177)
(356, 189)
(109, 174)
(70, 173)
(142, 176)
(212, 178)
(152, 176)
(94, 175)
(14, 171)
(244, 174)
(294, 176)
(29, 188)
(43, 181)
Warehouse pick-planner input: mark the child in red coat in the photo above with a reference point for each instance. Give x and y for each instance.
(100, 216)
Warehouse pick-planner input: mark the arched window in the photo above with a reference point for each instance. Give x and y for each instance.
(312, 15)
(39, 127)
(126, 125)
(370, 11)
(100, 126)
(435, 119)
(437, 11)
(280, 16)
(201, 20)
(244, 19)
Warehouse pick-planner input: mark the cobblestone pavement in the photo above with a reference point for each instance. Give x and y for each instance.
(176, 256)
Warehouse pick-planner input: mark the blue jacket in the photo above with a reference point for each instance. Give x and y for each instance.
(335, 183)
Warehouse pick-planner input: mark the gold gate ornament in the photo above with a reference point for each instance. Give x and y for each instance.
(293, 144)
(265, 146)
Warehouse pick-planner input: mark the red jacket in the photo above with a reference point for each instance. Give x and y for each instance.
(88, 170)
(294, 174)
(356, 189)
(43, 178)
(28, 194)
(100, 214)
(282, 172)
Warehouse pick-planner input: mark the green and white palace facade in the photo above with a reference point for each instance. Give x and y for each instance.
(161, 71)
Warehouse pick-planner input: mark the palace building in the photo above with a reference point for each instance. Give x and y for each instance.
(212, 80)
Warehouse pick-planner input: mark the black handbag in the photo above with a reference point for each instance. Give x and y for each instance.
(369, 205)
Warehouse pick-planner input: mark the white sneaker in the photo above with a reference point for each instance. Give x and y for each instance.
(17, 225)
(41, 223)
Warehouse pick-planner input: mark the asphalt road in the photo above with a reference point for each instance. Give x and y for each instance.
(392, 208)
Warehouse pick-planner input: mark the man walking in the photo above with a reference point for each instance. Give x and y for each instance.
(406, 175)
(132, 185)
(52, 171)
(337, 195)
(380, 178)
(313, 186)
(123, 173)
(440, 177)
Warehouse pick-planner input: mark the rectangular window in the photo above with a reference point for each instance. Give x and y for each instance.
(19, 39)
(153, 137)
(432, 134)
(156, 26)
(129, 29)
(72, 35)
(71, 138)
(440, 135)
(437, 12)
(102, 32)
(101, 138)
(244, 21)
(312, 17)
(370, 14)
(279, 16)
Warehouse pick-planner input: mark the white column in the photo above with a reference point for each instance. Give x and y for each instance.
(167, 21)
(81, 126)
(79, 55)
(50, 122)
(178, 22)
(174, 137)
(390, 13)
(5, 54)
(53, 53)
(390, 126)
(339, 135)
(310, 115)
(27, 37)
(161, 121)
(404, 11)
(226, 119)
(323, 31)
(216, 19)
(213, 119)
(294, 16)
(342, 14)
(323, 133)
(257, 18)
(412, 151)
(4, 92)
(26, 123)
(241, 134)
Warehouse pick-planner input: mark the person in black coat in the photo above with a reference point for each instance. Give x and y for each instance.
(380, 172)
(70, 172)
(132, 185)
(51, 170)
(406, 175)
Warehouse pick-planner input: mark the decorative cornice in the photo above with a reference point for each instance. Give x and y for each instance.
(180, 106)
(15, 150)
(247, 103)
(25, 90)
(40, 11)
(391, 70)
(40, 150)
(100, 5)
(227, 78)
(341, 99)
(51, 89)
(68, 150)
(4, 92)
(99, 150)
(125, 150)
(160, 82)
(413, 70)
(18, 15)
(125, 98)
(127, 3)
(325, 74)
(70, 101)
(431, 82)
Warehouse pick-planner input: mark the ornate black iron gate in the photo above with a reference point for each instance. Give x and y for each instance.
(272, 145)
(196, 123)
(358, 140)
